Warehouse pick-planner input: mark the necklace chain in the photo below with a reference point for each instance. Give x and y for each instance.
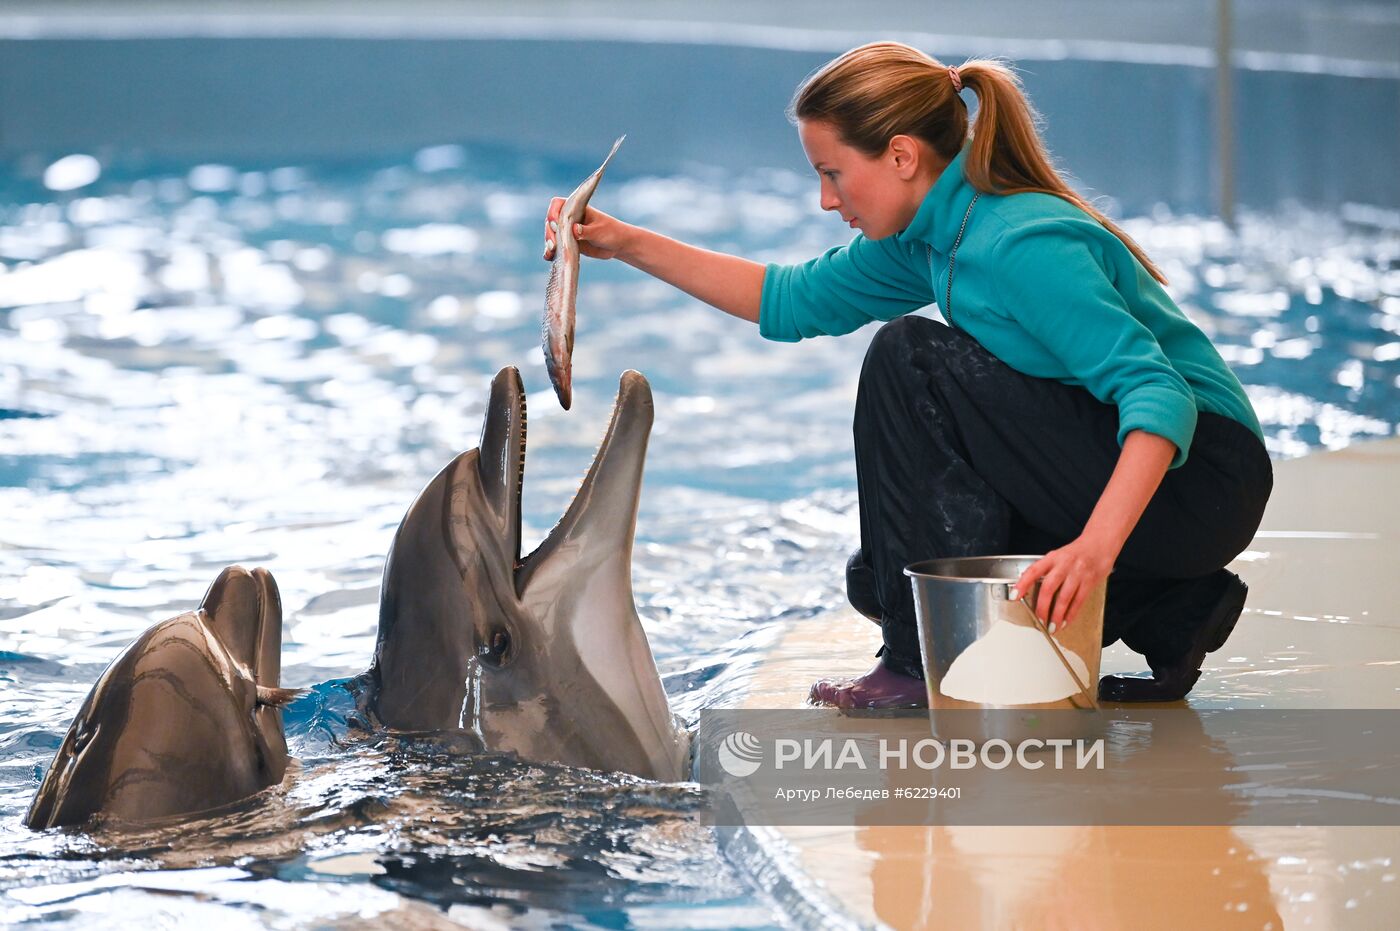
(952, 257)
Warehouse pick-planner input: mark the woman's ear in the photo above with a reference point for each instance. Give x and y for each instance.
(904, 156)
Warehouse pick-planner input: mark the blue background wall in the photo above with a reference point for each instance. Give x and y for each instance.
(1142, 132)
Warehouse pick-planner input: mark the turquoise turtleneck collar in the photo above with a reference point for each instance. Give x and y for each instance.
(939, 216)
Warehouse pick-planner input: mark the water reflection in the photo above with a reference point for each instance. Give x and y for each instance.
(263, 364)
(428, 818)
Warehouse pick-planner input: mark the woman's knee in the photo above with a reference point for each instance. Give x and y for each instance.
(1176, 558)
(895, 340)
(902, 349)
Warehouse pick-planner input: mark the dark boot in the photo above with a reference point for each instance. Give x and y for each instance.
(881, 687)
(860, 587)
(1189, 621)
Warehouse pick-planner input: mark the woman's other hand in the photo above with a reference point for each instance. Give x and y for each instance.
(599, 235)
(1067, 576)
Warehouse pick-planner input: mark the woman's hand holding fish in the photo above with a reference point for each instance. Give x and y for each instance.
(732, 284)
(599, 235)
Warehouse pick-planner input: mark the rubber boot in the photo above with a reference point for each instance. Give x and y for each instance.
(881, 687)
(1174, 651)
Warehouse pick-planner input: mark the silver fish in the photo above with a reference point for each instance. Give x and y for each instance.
(562, 290)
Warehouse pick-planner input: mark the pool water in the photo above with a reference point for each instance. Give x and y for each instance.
(209, 364)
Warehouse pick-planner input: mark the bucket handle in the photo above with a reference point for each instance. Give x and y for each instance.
(1025, 602)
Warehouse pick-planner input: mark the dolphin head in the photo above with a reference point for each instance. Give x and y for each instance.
(186, 719)
(542, 656)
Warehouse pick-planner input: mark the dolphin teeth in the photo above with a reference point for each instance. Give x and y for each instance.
(520, 472)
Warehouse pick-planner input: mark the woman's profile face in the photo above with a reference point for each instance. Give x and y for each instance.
(870, 194)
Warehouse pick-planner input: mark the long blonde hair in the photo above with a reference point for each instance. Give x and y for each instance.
(884, 89)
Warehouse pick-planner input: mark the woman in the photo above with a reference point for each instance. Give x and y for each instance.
(1068, 406)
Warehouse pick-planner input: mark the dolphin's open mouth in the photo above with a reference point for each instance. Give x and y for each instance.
(608, 491)
(244, 610)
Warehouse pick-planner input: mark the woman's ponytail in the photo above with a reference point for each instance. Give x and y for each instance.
(1007, 156)
(885, 89)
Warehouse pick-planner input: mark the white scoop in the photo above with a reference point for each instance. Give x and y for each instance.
(1012, 665)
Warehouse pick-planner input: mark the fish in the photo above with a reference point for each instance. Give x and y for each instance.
(561, 293)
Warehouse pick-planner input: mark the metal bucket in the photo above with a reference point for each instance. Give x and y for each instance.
(984, 650)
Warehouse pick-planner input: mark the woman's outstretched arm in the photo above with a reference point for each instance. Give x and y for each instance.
(732, 284)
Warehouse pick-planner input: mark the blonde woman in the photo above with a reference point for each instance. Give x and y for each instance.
(1067, 406)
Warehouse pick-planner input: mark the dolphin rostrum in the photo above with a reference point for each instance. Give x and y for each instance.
(544, 657)
(185, 720)
(561, 292)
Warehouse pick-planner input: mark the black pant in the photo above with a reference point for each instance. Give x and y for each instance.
(958, 454)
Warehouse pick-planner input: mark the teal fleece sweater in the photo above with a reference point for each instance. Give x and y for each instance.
(1039, 283)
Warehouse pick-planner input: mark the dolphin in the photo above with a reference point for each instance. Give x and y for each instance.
(186, 719)
(544, 656)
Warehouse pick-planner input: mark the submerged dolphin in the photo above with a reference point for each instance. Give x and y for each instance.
(185, 720)
(544, 656)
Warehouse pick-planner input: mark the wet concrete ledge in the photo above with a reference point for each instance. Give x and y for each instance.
(1321, 630)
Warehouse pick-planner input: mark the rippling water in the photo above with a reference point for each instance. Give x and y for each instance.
(202, 365)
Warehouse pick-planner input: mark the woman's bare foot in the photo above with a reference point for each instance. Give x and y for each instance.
(881, 687)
